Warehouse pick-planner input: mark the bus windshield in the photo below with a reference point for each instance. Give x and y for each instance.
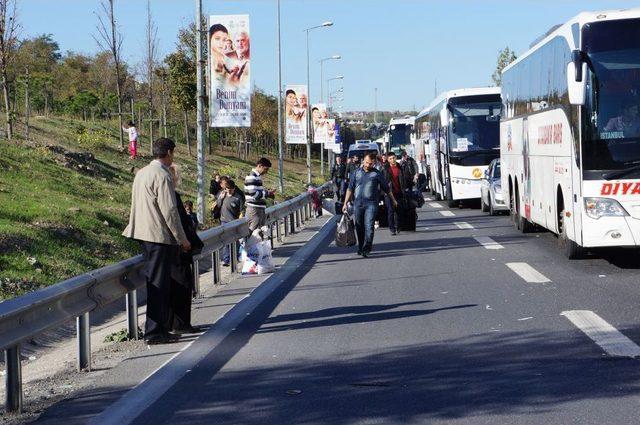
(474, 126)
(611, 119)
(399, 136)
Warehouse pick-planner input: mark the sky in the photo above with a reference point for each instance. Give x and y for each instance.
(404, 48)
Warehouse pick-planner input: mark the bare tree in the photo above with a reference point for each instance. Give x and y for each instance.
(8, 38)
(150, 63)
(110, 40)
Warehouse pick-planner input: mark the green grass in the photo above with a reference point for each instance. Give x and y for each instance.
(58, 222)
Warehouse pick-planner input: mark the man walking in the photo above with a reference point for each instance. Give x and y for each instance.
(155, 223)
(256, 195)
(394, 174)
(366, 185)
(337, 176)
(410, 168)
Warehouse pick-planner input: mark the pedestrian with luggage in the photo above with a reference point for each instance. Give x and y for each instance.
(337, 176)
(256, 195)
(394, 174)
(366, 184)
(155, 223)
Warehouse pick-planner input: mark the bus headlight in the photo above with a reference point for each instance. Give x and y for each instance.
(603, 207)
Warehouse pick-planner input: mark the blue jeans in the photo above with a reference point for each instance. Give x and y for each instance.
(365, 216)
(392, 213)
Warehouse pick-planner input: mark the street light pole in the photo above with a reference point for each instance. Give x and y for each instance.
(280, 147)
(200, 112)
(309, 122)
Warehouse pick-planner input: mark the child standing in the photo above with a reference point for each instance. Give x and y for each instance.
(133, 139)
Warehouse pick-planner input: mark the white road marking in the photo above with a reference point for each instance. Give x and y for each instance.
(447, 213)
(528, 273)
(488, 243)
(435, 205)
(463, 225)
(602, 333)
(426, 198)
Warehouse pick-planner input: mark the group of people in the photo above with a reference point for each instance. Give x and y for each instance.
(367, 182)
(166, 229)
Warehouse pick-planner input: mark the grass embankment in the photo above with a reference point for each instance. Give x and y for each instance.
(62, 211)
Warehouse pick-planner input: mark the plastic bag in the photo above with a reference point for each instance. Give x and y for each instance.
(249, 267)
(345, 232)
(265, 265)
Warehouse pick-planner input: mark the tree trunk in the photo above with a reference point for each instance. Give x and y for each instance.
(186, 130)
(27, 107)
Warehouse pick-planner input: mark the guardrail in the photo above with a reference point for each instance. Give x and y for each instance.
(27, 316)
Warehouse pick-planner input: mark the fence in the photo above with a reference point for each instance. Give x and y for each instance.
(25, 317)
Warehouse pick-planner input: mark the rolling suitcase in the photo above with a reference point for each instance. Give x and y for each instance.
(407, 216)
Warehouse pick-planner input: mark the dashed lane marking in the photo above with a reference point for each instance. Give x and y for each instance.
(528, 273)
(447, 213)
(611, 340)
(426, 198)
(487, 242)
(435, 205)
(463, 225)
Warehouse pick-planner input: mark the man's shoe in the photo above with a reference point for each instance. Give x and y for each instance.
(160, 339)
(359, 252)
(365, 254)
(187, 330)
(393, 233)
(225, 264)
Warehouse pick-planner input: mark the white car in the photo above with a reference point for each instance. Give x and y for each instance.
(491, 199)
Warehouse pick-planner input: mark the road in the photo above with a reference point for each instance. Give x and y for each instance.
(466, 321)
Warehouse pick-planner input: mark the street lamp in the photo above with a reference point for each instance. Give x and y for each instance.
(322, 61)
(309, 127)
(280, 145)
(337, 77)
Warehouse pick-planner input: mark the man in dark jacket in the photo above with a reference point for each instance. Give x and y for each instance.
(410, 168)
(397, 184)
(231, 203)
(338, 176)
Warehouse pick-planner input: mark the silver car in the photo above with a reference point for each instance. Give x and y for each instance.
(491, 198)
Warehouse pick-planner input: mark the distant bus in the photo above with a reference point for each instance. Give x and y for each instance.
(570, 133)
(461, 129)
(400, 135)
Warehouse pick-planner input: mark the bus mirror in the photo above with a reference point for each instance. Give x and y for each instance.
(576, 58)
(577, 89)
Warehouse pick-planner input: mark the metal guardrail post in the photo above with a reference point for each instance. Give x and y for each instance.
(234, 256)
(215, 266)
(196, 277)
(286, 227)
(271, 234)
(13, 379)
(292, 221)
(84, 342)
(298, 219)
(132, 314)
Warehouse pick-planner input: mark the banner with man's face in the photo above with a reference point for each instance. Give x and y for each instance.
(229, 71)
(296, 104)
(330, 138)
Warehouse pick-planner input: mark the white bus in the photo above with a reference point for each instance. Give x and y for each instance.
(463, 131)
(570, 133)
(400, 135)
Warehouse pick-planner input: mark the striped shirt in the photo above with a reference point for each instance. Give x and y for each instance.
(254, 192)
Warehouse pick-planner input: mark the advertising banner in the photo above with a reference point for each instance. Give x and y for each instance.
(229, 71)
(330, 137)
(295, 108)
(319, 116)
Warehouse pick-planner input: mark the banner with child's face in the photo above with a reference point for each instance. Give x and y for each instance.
(229, 71)
(295, 111)
(319, 118)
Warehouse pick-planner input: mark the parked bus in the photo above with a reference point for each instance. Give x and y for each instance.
(570, 133)
(400, 135)
(463, 131)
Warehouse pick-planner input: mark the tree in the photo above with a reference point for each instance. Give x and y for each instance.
(505, 57)
(8, 40)
(182, 86)
(108, 39)
(149, 64)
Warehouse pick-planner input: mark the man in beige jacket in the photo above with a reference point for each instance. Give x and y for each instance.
(155, 223)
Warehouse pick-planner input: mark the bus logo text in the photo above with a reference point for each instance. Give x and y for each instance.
(550, 134)
(620, 189)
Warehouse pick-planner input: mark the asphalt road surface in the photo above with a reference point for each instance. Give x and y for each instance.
(465, 321)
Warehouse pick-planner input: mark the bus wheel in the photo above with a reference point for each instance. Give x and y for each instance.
(438, 197)
(571, 250)
(521, 222)
(451, 203)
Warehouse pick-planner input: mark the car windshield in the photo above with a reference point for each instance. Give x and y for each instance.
(611, 138)
(475, 126)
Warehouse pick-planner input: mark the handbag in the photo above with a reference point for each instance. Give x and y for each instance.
(345, 232)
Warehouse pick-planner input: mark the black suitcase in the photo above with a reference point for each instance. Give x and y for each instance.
(381, 216)
(407, 216)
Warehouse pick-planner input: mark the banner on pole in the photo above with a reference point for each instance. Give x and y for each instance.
(319, 116)
(296, 106)
(229, 71)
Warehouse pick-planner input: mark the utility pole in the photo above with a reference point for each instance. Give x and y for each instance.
(280, 147)
(200, 112)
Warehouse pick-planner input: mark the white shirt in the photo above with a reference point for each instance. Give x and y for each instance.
(133, 133)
